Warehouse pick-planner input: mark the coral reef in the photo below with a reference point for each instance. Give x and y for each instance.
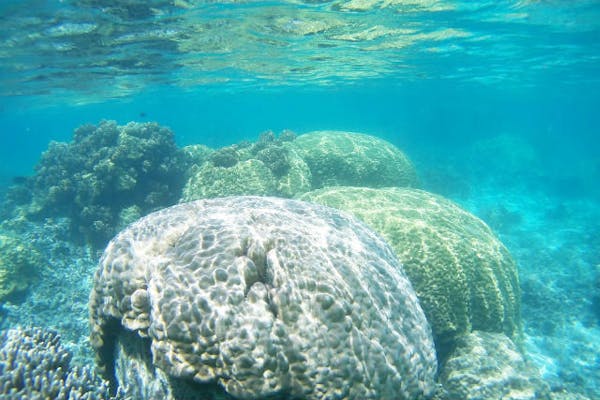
(263, 298)
(353, 159)
(58, 287)
(224, 157)
(34, 365)
(105, 169)
(486, 365)
(243, 178)
(20, 263)
(297, 179)
(568, 396)
(268, 167)
(464, 276)
(196, 154)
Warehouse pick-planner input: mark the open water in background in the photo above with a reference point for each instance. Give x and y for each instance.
(498, 105)
(423, 74)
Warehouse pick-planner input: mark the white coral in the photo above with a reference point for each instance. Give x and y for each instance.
(266, 297)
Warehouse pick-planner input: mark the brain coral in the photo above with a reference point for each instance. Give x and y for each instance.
(266, 297)
(105, 169)
(464, 276)
(353, 159)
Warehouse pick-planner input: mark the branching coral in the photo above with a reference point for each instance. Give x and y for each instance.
(34, 365)
(105, 169)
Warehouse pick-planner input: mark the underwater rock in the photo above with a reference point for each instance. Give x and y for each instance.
(105, 169)
(34, 365)
(501, 218)
(20, 263)
(487, 365)
(463, 275)
(268, 167)
(259, 297)
(353, 159)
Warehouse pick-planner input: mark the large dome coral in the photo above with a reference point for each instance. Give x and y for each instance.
(265, 298)
(353, 159)
(464, 276)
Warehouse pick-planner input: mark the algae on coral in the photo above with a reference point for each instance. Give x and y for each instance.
(464, 276)
(267, 167)
(340, 158)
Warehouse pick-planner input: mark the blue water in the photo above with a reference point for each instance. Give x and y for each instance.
(496, 104)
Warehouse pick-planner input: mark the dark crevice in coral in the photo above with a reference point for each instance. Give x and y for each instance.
(106, 354)
(272, 306)
(136, 348)
(185, 389)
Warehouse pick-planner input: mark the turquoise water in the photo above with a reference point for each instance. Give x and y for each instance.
(495, 103)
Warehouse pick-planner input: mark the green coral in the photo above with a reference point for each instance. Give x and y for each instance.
(19, 264)
(353, 159)
(244, 178)
(225, 157)
(464, 276)
(267, 167)
(127, 216)
(297, 179)
(196, 154)
(276, 158)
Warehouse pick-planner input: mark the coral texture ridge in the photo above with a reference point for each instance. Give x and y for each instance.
(464, 276)
(353, 159)
(267, 298)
